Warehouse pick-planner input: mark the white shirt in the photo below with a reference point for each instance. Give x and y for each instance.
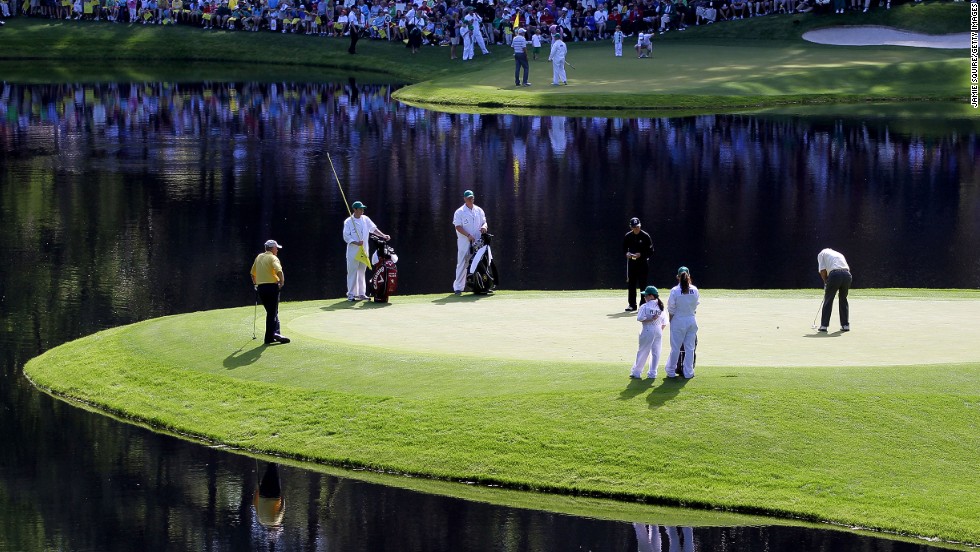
(683, 304)
(536, 40)
(831, 260)
(358, 229)
(558, 51)
(471, 220)
(650, 313)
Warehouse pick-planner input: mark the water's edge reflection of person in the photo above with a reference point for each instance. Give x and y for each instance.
(648, 538)
(269, 504)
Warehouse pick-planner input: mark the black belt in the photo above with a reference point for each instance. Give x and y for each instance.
(840, 270)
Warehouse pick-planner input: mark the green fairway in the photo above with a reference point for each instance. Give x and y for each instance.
(875, 428)
(731, 65)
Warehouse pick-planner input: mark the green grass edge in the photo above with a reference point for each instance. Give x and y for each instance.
(100, 371)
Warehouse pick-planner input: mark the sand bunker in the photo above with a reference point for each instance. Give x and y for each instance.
(885, 36)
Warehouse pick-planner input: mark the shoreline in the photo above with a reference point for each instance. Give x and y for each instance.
(498, 419)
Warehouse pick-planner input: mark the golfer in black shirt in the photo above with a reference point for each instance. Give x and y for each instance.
(638, 247)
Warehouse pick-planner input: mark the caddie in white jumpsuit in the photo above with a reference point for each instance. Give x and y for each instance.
(478, 32)
(470, 222)
(357, 228)
(557, 59)
(683, 327)
(651, 315)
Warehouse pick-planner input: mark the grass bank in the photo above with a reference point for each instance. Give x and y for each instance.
(727, 66)
(884, 447)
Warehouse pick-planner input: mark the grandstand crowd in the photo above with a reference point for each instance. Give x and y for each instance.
(435, 22)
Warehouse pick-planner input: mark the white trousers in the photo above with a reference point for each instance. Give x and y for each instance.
(478, 39)
(619, 49)
(462, 262)
(650, 339)
(467, 46)
(558, 68)
(356, 282)
(683, 331)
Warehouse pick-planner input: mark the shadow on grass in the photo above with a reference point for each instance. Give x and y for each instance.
(344, 304)
(669, 389)
(239, 358)
(624, 314)
(635, 387)
(465, 298)
(823, 335)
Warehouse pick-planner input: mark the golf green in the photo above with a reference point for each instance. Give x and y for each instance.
(874, 428)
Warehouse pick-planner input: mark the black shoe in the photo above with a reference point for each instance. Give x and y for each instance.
(281, 339)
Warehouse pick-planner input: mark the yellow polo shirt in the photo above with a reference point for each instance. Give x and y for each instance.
(265, 269)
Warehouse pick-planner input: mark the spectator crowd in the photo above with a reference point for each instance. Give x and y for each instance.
(429, 22)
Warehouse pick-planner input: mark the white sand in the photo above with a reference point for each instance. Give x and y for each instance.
(869, 35)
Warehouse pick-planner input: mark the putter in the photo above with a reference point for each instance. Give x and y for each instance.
(819, 308)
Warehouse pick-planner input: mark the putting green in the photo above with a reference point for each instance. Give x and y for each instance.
(734, 331)
(529, 390)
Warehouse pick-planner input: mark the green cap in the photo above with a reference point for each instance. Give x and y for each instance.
(650, 290)
(683, 269)
(467, 193)
(358, 205)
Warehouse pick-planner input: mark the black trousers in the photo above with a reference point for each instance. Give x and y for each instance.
(269, 295)
(355, 34)
(838, 283)
(636, 273)
(520, 61)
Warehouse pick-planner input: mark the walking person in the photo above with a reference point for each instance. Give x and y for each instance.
(471, 223)
(355, 23)
(681, 306)
(651, 317)
(268, 279)
(836, 276)
(557, 59)
(357, 228)
(520, 59)
(638, 247)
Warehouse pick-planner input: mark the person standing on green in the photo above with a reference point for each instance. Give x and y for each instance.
(267, 278)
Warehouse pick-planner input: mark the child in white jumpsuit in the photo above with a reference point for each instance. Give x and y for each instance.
(651, 316)
(618, 37)
(682, 304)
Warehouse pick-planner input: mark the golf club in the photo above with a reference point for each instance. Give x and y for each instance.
(815, 316)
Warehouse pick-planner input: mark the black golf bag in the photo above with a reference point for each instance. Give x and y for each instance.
(384, 281)
(680, 358)
(482, 277)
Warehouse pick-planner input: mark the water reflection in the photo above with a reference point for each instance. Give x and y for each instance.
(125, 202)
(679, 539)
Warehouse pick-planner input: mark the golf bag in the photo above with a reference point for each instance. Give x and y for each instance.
(384, 281)
(680, 358)
(482, 277)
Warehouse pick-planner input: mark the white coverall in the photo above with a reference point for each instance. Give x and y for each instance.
(357, 230)
(471, 220)
(467, 34)
(683, 328)
(653, 321)
(557, 59)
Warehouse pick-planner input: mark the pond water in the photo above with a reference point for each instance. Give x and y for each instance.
(121, 202)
